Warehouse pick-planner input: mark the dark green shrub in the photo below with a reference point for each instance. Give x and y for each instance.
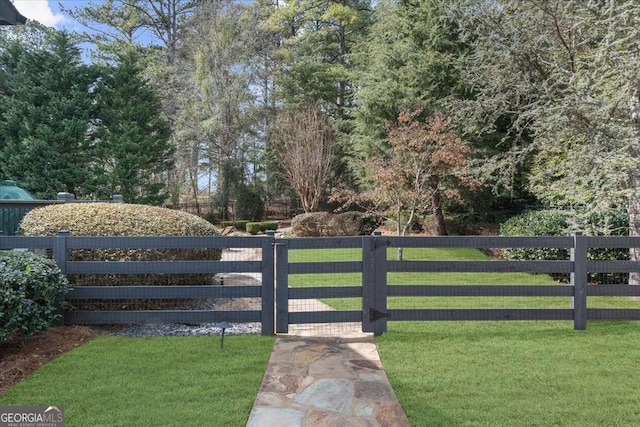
(537, 223)
(241, 225)
(253, 228)
(249, 204)
(211, 217)
(559, 223)
(257, 227)
(269, 225)
(31, 287)
(367, 224)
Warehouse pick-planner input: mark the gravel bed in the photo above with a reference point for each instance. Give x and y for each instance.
(175, 329)
(179, 329)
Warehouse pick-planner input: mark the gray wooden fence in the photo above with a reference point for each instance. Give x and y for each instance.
(375, 265)
(60, 247)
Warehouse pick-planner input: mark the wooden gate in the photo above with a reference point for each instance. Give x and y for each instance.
(352, 270)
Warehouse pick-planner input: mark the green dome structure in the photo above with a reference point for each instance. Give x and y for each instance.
(9, 190)
(10, 216)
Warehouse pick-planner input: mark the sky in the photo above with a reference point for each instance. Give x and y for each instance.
(47, 12)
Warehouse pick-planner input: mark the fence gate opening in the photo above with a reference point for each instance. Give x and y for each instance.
(319, 286)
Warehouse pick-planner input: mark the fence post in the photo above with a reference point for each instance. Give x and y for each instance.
(374, 284)
(268, 285)
(61, 256)
(66, 197)
(579, 280)
(282, 287)
(60, 253)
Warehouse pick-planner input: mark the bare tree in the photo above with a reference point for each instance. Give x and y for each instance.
(305, 148)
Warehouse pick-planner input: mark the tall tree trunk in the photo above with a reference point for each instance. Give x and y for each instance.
(436, 205)
(634, 228)
(634, 196)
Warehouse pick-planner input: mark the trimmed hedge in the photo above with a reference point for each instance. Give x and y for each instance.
(553, 222)
(31, 286)
(241, 224)
(257, 227)
(119, 219)
(323, 224)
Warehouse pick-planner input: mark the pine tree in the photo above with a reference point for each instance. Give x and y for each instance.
(132, 149)
(46, 108)
(409, 61)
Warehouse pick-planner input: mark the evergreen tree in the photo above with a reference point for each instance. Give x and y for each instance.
(566, 73)
(317, 41)
(409, 61)
(132, 149)
(46, 107)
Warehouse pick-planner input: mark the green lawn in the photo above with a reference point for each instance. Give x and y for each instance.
(500, 373)
(168, 381)
(435, 254)
(514, 373)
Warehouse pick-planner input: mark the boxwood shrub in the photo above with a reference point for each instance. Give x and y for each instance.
(537, 223)
(257, 227)
(31, 288)
(241, 224)
(118, 219)
(554, 222)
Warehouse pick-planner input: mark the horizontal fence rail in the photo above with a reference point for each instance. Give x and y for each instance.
(477, 242)
(481, 266)
(63, 246)
(374, 266)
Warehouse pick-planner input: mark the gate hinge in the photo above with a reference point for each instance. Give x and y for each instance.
(376, 315)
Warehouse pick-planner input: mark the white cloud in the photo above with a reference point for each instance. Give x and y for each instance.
(39, 10)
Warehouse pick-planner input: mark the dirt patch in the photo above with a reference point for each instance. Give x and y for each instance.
(21, 356)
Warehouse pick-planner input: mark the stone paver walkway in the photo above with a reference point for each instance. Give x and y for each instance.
(317, 380)
(326, 382)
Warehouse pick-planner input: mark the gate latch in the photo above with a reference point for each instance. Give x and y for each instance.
(376, 315)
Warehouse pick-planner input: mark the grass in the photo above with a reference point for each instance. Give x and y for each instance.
(444, 373)
(435, 254)
(172, 381)
(514, 373)
(538, 373)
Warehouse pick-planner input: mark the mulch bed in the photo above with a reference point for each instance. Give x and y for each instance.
(21, 356)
